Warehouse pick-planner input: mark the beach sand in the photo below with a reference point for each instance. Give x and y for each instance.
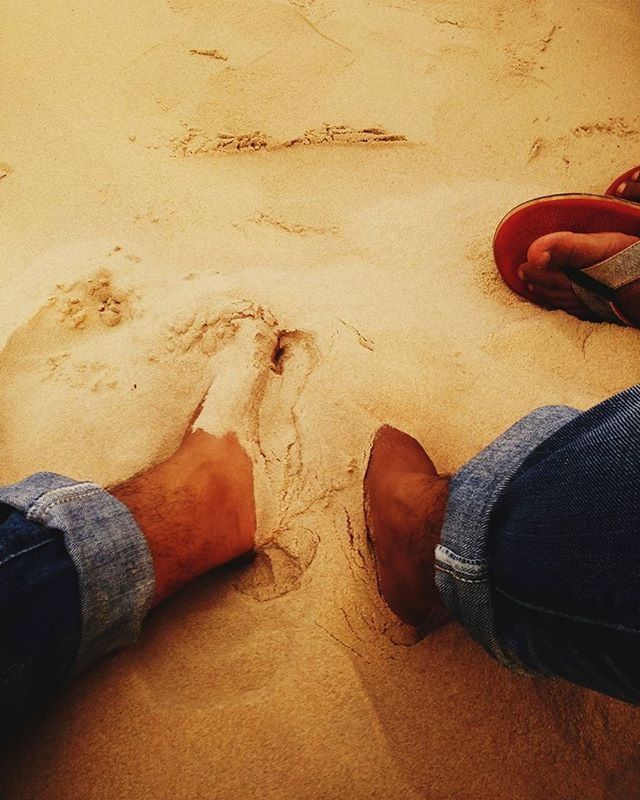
(182, 181)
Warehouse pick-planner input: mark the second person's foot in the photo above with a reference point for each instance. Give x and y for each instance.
(630, 189)
(552, 289)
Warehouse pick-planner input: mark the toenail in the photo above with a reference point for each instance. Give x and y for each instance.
(521, 274)
(621, 188)
(636, 175)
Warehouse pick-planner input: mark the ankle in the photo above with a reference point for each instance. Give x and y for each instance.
(195, 510)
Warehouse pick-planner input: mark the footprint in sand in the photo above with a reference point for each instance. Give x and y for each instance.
(92, 301)
(54, 364)
(258, 380)
(95, 380)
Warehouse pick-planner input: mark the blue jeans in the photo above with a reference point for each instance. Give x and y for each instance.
(540, 552)
(76, 580)
(539, 560)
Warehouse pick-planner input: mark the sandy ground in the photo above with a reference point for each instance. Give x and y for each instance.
(181, 180)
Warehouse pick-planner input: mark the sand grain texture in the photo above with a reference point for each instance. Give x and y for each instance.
(165, 240)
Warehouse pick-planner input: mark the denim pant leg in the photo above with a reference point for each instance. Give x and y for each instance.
(76, 580)
(540, 555)
(112, 558)
(40, 622)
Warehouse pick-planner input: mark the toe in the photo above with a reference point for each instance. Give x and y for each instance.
(556, 297)
(553, 249)
(630, 190)
(544, 278)
(547, 298)
(563, 300)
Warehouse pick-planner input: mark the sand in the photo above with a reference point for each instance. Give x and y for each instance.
(185, 183)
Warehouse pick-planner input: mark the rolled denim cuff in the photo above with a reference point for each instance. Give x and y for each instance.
(111, 556)
(463, 566)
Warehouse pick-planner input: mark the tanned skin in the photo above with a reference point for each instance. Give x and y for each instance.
(196, 509)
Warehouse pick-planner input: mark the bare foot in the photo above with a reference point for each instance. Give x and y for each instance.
(630, 190)
(553, 289)
(405, 501)
(196, 509)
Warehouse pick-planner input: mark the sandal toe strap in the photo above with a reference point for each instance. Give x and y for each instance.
(596, 285)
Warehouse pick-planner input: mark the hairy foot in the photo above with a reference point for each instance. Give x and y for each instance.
(196, 509)
(630, 189)
(405, 501)
(553, 289)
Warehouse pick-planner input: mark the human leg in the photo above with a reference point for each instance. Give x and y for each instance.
(539, 557)
(80, 567)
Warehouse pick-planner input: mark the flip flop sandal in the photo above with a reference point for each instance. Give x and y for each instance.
(627, 176)
(580, 213)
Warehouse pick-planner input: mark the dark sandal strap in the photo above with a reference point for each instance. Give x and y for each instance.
(593, 285)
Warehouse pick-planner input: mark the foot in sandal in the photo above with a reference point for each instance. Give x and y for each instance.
(549, 257)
